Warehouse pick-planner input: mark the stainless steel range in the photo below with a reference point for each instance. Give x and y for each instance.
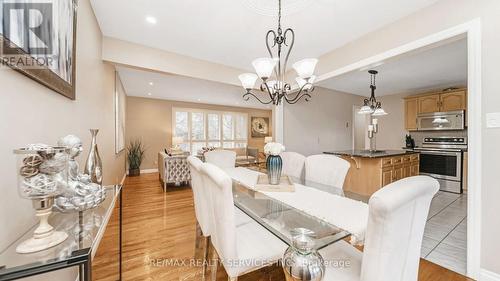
(442, 158)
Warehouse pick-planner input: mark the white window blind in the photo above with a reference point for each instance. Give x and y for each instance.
(205, 128)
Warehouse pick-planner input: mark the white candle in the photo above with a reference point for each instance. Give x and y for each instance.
(375, 121)
(370, 128)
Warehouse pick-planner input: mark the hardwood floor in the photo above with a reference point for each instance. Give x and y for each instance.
(159, 227)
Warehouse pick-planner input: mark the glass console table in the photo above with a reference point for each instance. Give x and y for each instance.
(85, 230)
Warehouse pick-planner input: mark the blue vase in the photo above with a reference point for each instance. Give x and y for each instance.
(274, 165)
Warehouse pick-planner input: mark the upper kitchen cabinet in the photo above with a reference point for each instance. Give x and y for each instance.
(451, 101)
(444, 101)
(411, 109)
(428, 104)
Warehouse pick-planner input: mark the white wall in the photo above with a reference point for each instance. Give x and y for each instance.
(32, 113)
(322, 124)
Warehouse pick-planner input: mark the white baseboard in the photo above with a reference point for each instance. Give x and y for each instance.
(487, 275)
(149, 171)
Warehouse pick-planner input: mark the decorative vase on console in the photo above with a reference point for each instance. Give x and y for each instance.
(42, 173)
(93, 165)
(274, 163)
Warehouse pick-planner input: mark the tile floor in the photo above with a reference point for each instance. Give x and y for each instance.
(445, 236)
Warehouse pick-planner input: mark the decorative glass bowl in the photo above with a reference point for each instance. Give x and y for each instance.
(42, 171)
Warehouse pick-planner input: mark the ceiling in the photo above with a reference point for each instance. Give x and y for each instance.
(139, 83)
(231, 32)
(431, 68)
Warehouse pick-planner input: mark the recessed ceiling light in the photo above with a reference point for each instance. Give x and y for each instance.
(151, 83)
(151, 19)
(199, 99)
(149, 94)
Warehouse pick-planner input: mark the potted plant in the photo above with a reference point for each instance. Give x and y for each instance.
(135, 155)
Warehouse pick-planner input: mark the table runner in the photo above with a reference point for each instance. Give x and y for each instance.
(343, 212)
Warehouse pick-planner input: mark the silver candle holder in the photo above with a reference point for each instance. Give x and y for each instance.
(372, 131)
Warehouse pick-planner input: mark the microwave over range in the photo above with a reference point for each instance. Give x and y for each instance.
(441, 121)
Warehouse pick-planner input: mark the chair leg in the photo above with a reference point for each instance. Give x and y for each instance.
(232, 278)
(213, 260)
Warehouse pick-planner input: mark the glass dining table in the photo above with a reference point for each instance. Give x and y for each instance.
(281, 219)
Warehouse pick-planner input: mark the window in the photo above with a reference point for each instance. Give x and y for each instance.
(201, 128)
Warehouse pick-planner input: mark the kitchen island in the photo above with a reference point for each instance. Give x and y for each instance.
(370, 171)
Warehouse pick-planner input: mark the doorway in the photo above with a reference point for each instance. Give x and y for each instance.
(471, 223)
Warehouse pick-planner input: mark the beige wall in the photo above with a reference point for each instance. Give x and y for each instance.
(322, 124)
(392, 130)
(151, 120)
(32, 113)
(440, 16)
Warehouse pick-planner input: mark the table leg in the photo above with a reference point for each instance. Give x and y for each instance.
(87, 270)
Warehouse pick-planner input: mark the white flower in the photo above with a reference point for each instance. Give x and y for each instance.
(273, 148)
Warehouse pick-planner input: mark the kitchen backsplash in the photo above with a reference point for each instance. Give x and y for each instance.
(419, 136)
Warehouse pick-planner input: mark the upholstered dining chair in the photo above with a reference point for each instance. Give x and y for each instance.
(242, 248)
(221, 158)
(396, 223)
(201, 199)
(293, 164)
(326, 172)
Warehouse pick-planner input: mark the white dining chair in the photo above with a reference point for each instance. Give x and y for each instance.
(326, 172)
(221, 158)
(396, 223)
(243, 248)
(293, 164)
(200, 195)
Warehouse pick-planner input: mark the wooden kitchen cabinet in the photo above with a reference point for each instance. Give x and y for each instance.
(406, 171)
(387, 176)
(411, 110)
(453, 101)
(367, 175)
(428, 104)
(414, 169)
(398, 172)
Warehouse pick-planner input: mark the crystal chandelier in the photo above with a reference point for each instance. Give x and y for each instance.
(371, 105)
(276, 86)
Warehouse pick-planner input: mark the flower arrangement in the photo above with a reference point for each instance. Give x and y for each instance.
(273, 148)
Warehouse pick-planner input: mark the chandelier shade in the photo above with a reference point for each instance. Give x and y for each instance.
(264, 67)
(248, 80)
(379, 112)
(366, 110)
(272, 70)
(305, 68)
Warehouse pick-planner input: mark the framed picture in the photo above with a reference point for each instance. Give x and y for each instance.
(259, 127)
(38, 39)
(119, 114)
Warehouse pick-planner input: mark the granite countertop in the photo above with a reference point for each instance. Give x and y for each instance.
(368, 154)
